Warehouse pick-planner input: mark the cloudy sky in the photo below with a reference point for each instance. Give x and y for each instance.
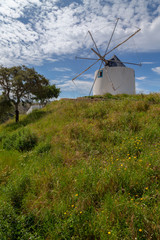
(48, 34)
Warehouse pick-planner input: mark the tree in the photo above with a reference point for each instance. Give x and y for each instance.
(23, 84)
(5, 108)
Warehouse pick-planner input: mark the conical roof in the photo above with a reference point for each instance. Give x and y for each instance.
(115, 62)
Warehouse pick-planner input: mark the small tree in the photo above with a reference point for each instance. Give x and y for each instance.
(23, 84)
(5, 108)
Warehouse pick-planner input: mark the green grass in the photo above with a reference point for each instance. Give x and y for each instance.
(92, 173)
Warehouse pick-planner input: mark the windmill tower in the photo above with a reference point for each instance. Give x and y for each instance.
(114, 77)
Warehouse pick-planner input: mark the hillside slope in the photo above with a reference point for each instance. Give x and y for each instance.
(82, 169)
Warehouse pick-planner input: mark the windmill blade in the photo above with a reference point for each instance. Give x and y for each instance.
(85, 70)
(93, 41)
(95, 78)
(122, 42)
(85, 58)
(101, 57)
(111, 36)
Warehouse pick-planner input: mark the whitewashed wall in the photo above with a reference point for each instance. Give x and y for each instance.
(115, 80)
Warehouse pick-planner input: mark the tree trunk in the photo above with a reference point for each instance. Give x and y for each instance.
(17, 114)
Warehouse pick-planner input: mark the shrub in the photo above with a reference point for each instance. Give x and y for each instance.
(43, 148)
(22, 140)
(16, 227)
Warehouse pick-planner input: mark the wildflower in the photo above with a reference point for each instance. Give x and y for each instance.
(65, 213)
(140, 230)
(141, 199)
(72, 205)
(109, 233)
(131, 199)
(76, 195)
(80, 212)
(146, 188)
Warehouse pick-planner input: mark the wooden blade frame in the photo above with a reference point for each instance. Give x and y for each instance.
(102, 57)
(112, 35)
(106, 61)
(93, 41)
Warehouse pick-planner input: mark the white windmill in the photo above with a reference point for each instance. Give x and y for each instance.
(114, 77)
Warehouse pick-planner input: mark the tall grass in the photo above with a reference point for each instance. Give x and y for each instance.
(92, 173)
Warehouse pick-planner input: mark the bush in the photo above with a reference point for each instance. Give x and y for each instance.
(43, 148)
(14, 226)
(22, 140)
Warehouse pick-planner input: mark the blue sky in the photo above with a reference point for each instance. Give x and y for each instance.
(48, 34)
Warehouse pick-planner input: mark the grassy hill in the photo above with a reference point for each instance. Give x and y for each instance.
(82, 169)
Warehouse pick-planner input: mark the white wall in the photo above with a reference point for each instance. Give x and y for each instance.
(33, 107)
(115, 80)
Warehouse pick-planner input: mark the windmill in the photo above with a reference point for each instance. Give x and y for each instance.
(114, 77)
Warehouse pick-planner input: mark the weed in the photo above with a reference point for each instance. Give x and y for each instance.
(22, 140)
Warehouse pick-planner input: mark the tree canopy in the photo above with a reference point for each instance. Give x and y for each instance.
(23, 84)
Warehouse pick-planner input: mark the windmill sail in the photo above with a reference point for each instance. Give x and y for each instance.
(115, 77)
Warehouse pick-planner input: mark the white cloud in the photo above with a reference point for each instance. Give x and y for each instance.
(139, 89)
(51, 59)
(147, 63)
(61, 69)
(156, 69)
(78, 86)
(141, 78)
(88, 76)
(33, 30)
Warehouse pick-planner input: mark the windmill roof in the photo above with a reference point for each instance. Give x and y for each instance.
(115, 62)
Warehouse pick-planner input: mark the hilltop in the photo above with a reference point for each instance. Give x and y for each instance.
(82, 169)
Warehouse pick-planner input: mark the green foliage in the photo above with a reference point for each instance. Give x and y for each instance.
(43, 148)
(22, 140)
(14, 226)
(6, 109)
(47, 93)
(93, 173)
(22, 84)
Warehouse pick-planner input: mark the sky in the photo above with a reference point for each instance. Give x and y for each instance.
(49, 34)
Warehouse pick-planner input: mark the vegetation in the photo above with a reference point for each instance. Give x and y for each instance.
(6, 109)
(21, 84)
(93, 171)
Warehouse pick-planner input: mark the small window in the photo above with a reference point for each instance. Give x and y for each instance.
(100, 74)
